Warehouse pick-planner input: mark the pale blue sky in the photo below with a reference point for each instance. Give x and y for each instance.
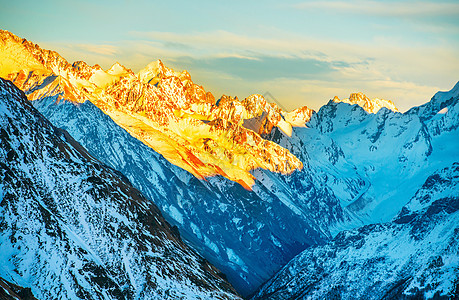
(302, 52)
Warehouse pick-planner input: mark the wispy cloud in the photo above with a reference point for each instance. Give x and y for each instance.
(382, 59)
(384, 8)
(97, 49)
(221, 43)
(298, 70)
(235, 55)
(313, 70)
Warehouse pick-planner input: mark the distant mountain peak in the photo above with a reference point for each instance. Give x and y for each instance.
(118, 69)
(299, 117)
(161, 107)
(446, 95)
(369, 105)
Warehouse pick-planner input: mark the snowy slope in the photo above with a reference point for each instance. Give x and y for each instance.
(392, 152)
(412, 257)
(410, 164)
(247, 234)
(356, 161)
(162, 108)
(10, 291)
(72, 228)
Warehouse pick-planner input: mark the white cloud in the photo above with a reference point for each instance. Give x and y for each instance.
(235, 55)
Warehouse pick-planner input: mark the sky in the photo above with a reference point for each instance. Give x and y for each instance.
(300, 52)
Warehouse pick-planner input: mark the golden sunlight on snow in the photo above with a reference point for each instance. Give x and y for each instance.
(165, 110)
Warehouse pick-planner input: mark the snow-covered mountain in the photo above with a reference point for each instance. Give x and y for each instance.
(411, 164)
(371, 106)
(393, 152)
(247, 234)
(160, 107)
(248, 185)
(10, 291)
(72, 227)
(413, 257)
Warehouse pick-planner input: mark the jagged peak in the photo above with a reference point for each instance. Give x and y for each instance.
(155, 70)
(117, 65)
(16, 55)
(166, 110)
(437, 105)
(119, 69)
(369, 105)
(299, 117)
(97, 67)
(5, 34)
(446, 95)
(20, 54)
(79, 64)
(255, 104)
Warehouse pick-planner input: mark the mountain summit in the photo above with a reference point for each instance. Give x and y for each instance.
(162, 108)
(369, 105)
(73, 228)
(360, 172)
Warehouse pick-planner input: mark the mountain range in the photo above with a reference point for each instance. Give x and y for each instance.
(299, 204)
(76, 228)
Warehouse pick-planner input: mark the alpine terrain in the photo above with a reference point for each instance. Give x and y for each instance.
(246, 231)
(412, 257)
(72, 227)
(356, 200)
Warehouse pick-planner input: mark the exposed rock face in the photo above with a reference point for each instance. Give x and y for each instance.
(73, 227)
(10, 291)
(160, 107)
(362, 162)
(370, 106)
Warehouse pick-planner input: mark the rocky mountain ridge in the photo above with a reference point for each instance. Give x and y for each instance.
(167, 111)
(163, 108)
(73, 227)
(371, 106)
(412, 257)
(363, 161)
